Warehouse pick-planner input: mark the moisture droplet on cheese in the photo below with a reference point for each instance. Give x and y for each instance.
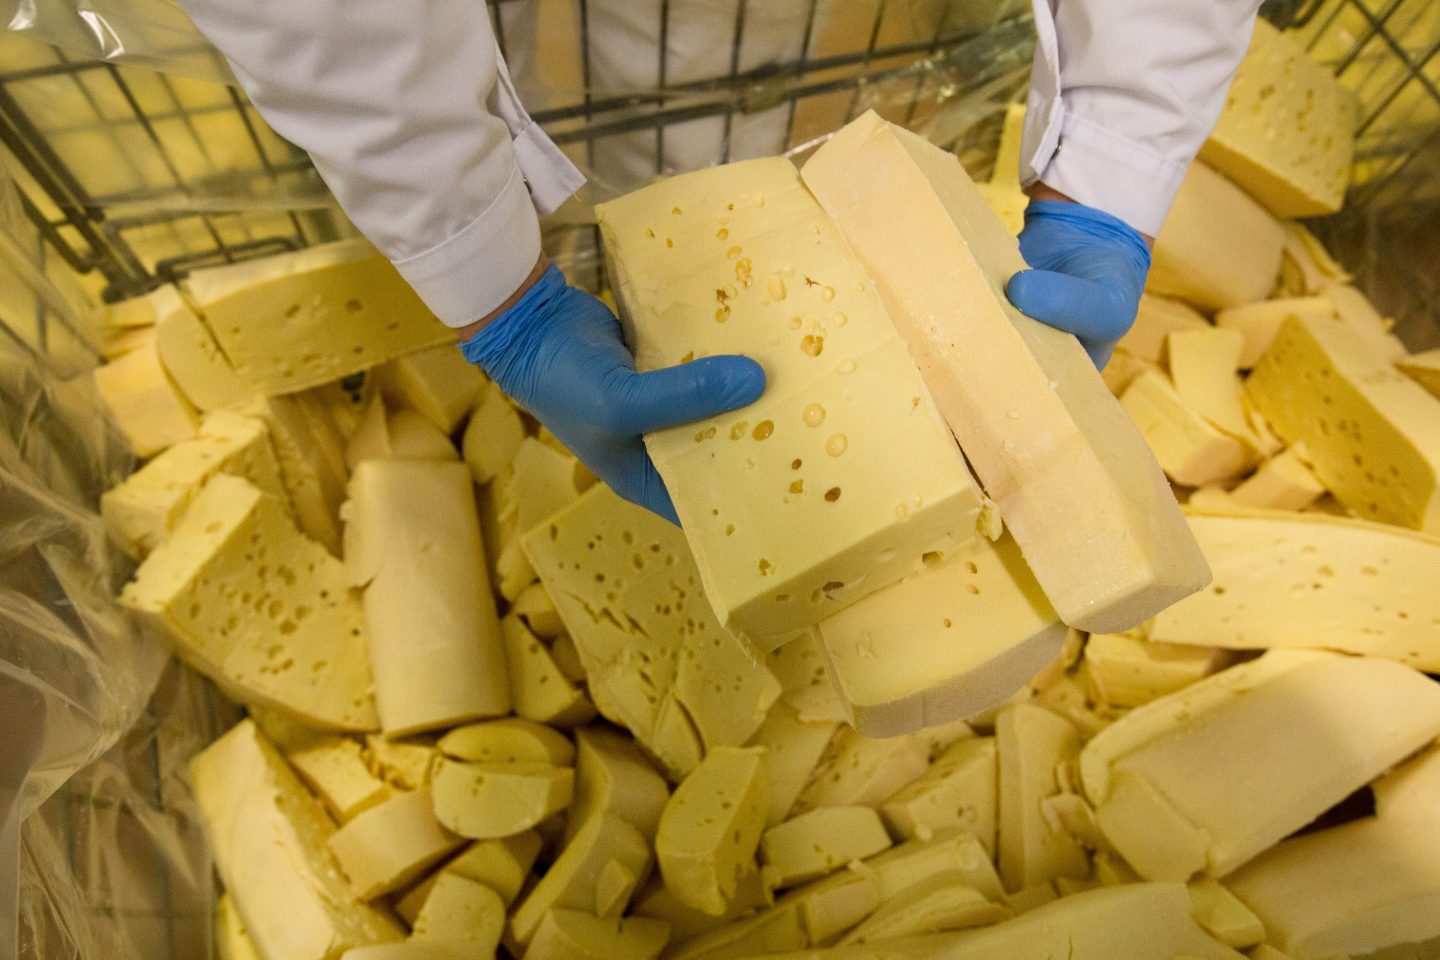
(763, 429)
(814, 415)
(812, 344)
(845, 366)
(836, 444)
(776, 288)
(827, 294)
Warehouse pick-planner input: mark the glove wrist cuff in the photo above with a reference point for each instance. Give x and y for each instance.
(490, 347)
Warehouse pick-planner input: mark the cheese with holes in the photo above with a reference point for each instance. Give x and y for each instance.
(491, 800)
(249, 601)
(412, 544)
(1347, 720)
(1030, 743)
(142, 510)
(1127, 670)
(507, 740)
(858, 770)
(792, 506)
(1287, 133)
(1191, 450)
(574, 935)
(150, 412)
(387, 846)
(539, 689)
(1218, 248)
(268, 837)
(1284, 482)
(709, 828)
(335, 769)
(1424, 369)
(657, 661)
(958, 638)
(1030, 410)
(460, 910)
(959, 790)
(1371, 434)
(1257, 323)
(793, 747)
(813, 844)
(606, 847)
(437, 382)
(612, 775)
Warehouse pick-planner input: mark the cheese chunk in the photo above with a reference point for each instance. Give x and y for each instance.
(656, 659)
(1307, 267)
(573, 935)
(1030, 743)
(1372, 435)
(858, 770)
(1031, 412)
(491, 800)
(686, 923)
(1156, 319)
(405, 766)
(793, 507)
(1204, 367)
(805, 681)
(1127, 670)
(1348, 719)
(195, 361)
(941, 903)
(150, 412)
(1354, 310)
(710, 827)
(956, 639)
(232, 942)
(142, 510)
(412, 543)
(492, 434)
(1122, 370)
(1190, 449)
(606, 846)
(508, 740)
(268, 838)
(1220, 912)
(502, 864)
(1284, 482)
(335, 769)
(1424, 369)
(816, 843)
(437, 382)
(1287, 133)
(250, 602)
(959, 790)
(952, 851)
(387, 846)
(459, 910)
(300, 320)
(311, 453)
(1258, 323)
(535, 607)
(399, 435)
(1312, 580)
(793, 747)
(1218, 247)
(539, 689)
(612, 775)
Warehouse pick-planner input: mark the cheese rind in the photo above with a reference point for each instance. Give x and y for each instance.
(385, 847)
(793, 506)
(1031, 412)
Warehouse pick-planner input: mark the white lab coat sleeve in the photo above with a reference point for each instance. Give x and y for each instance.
(1124, 93)
(409, 115)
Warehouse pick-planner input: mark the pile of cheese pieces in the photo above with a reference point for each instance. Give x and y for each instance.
(584, 764)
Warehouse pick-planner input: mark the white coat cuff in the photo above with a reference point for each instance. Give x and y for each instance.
(476, 270)
(1104, 170)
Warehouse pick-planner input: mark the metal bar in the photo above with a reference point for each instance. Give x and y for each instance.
(660, 82)
(51, 235)
(865, 60)
(736, 39)
(800, 68)
(1372, 29)
(934, 46)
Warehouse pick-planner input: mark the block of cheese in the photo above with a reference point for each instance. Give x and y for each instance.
(149, 410)
(460, 910)
(502, 864)
(656, 659)
(403, 765)
(299, 320)
(1127, 670)
(612, 775)
(312, 461)
(1284, 482)
(1218, 247)
(951, 851)
(437, 382)
(1030, 410)
(1156, 319)
(605, 846)
(1371, 434)
(195, 361)
(1424, 369)
(944, 902)
(821, 841)
(1191, 450)
(268, 838)
(335, 769)
(412, 544)
(1306, 267)
(711, 825)
(232, 941)
(951, 641)
(508, 740)
(1287, 133)
(573, 935)
(249, 601)
(1172, 811)
(1122, 370)
(492, 434)
(1258, 323)
(793, 747)
(858, 770)
(1355, 310)
(395, 435)
(1030, 743)
(491, 800)
(805, 681)
(539, 689)
(788, 504)
(959, 790)
(387, 846)
(1204, 367)
(142, 510)
(534, 606)
(1221, 912)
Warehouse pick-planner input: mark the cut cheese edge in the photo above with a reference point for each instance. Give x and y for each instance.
(388, 845)
(1190, 449)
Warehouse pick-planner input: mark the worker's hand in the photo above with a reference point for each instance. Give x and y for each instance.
(1089, 271)
(560, 354)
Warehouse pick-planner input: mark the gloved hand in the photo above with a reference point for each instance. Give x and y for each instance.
(560, 354)
(1089, 271)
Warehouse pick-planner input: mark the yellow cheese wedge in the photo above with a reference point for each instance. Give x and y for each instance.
(1287, 133)
(1190, 449)
(1372, 435)
(1127, 670)
(534, 606)
(951, 851)
(1424, 369)
(1030, 743)
(232, 942)
(956, 639)
(1409, 791)
(1258, 323)
(395, 435)
(711, 825)
(1284, 482)
(193, 358)
(492, 434)
(572, 880)
(149, 410)
(1122, 370)
(1204, 367)
(567, 658)
(268, 837)
(656, 659)
(1031, 412)
(405, 766)
(1307, 267)
(437, 382)
(793, 747)
(788, 505)
(1156, 319)
(1218, 248)
(252, 603)
(1349, 719)
(508, 740)
(941, 903)
(312, 461)
(335, 769)
(573, 935)
(858, 770)
(805, 681)
(491, 800)
(813, 844)
(1312, 580)
(539, 689)
(387, 846)
(612, 775)
(687, 923)
(412, 543)
(1221, 912)
(959, 790)
(142, 510)
(1354, 310)
(502, 864)
(460, 910)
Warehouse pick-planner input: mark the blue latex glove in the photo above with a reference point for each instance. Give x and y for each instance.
(560, 354)
(1089, 271)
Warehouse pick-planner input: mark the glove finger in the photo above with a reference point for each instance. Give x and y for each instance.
(641, 402)
(1100, 353)
(1090, 309)
(637, 480)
